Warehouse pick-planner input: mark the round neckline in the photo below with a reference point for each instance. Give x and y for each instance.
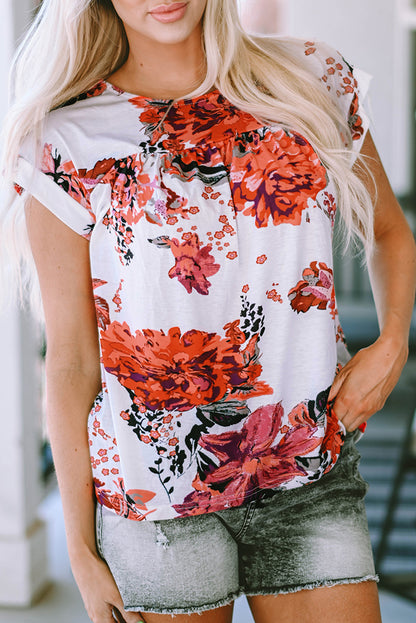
(156, 100)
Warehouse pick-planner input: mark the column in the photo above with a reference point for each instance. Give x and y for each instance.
(23, 550)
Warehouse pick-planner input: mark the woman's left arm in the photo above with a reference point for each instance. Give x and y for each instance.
(363, 385)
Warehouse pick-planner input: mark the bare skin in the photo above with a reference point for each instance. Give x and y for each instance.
(62, 260)
(346, 603)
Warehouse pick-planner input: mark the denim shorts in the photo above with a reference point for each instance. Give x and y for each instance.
(280, 542)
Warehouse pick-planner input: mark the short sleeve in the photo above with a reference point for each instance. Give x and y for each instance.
(347, 85)
(57, 184)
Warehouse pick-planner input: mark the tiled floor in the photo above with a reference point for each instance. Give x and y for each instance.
(63, 603)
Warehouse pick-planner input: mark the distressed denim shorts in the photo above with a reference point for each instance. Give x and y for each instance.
(280, 542)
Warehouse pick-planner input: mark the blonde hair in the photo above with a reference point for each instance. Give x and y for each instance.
(70, 46)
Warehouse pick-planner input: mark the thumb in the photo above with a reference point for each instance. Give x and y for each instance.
(133, 617)
(122, 616)
(335, 387)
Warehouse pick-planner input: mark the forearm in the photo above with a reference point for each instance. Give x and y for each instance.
(70, 394)
(392, 270)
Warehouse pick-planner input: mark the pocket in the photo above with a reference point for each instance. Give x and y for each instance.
(99, 528)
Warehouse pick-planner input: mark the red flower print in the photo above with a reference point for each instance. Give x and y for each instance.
(355, 122)
(315, 289)
(102, 310)
(254, 369)
(131, 189)
(261, 259)
(276, 177)
(97, 89)
(299, 415)
(129, 503)
(329, 206)
(177, 371)
(234, 333)
(94, 175)
(193, 265)
(274, 295)
(248, 460)
(66, 176)
(211, 118)
(117, 298)
(334, 437)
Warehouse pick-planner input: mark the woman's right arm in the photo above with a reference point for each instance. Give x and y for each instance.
(72, 382)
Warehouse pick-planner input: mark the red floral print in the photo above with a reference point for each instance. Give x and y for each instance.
(210, 119)
(130, 188)
(355, 121)
(193, 264)
(234, 333)
(177, 371)
(275, 176)
(315, 289)
(101, 306)
(261, 259)
(66, 176)
(129, 504)
(334, 437)
(178, 413)
(248, 460)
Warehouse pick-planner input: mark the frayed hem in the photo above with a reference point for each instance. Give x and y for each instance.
(263, 591)
(309, 587)
(192, 610)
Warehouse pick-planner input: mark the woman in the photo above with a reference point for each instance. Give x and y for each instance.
(180, 219)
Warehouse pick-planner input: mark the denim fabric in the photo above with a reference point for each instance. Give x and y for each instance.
(280, 542)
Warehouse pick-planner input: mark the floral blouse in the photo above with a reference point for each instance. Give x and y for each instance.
(210, 240)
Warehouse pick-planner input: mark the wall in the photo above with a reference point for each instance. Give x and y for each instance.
(370, 34)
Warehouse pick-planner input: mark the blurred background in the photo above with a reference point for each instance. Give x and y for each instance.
(379, 37)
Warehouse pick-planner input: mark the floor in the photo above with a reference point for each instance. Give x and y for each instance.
(62, 602)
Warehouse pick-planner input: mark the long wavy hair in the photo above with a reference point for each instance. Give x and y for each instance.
(70, 46)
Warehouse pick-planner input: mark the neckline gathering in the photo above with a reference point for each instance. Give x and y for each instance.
(162, 101)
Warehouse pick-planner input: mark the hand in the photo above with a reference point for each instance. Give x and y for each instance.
(99, 591)
(362, 387)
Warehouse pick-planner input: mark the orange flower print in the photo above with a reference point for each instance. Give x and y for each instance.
(275, 177)
(130, 188)
(129, 504)
(193, 264)
(96, 90)
(261, 259)
(177, 371)
(234, 333)
(355, 122)
(334, 436)
(274, 295)
(310, 48)
(212, 118)
(316, 289)
(94, 175)
(102, 310)
(66, 176)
